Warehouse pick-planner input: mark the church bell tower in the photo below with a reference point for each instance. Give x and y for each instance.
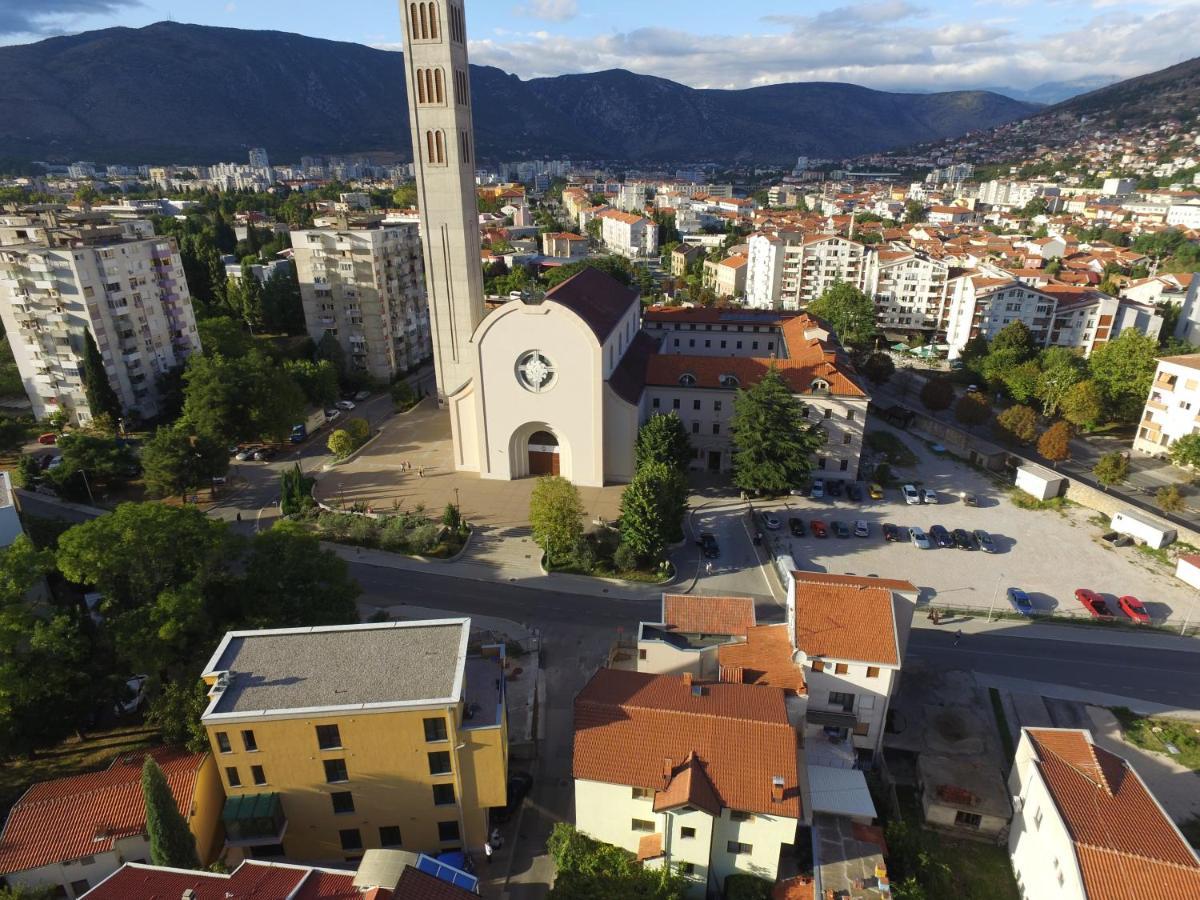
(439, 110)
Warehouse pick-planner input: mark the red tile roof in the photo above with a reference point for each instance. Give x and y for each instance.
(689, 786)
(68, 818)
(853, 619)
(1126, 846)
(764, 658)
(665, 370)
(699, 614)
(417, 885)
(635, 728)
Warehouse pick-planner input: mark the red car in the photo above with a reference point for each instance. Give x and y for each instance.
(48, 438)
(1094, 603)
(1134, 608)
(818, 528)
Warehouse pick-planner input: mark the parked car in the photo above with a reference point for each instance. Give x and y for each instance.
(1134, 608)
(1094, 603)
(55, 462)
(770, 522)
(929, 496)
(332, 415)
(969, 499)
(986, 544)
(519, 784)
(709, 546)
(362, 395)
(133, 696)
(1020, 601)
(941, 536)
(892, 532)
(840, 528)
(854, 491)
(265, 454)
(796, 526)
(818, 529)
(345, 404)
(911, 495)
(48, 438)
(875, 490)
(862, 529)
(834, 488)
(963, 539)
(817, 490)
(918, 537)
(245, 453)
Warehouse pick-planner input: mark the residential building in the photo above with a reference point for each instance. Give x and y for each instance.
(691, 631)
(1173, 408)
(985, 300)
(10, 518)
(259, 158)
(564, 245)
(950, 215)
(438, 79)
(382, 875)
(726, 278)
(628, 234)
(701, 777)
(364, 285)
(1085, 318)
(789, 270)
(1184, 215)
(1086, 827)
(683, 256)
(72, 833)
(910, 288)
(963, 796)
(704, 356)
(631, 197)
(334, 740)
(66, 278)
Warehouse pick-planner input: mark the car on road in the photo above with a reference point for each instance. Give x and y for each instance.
(519, 784)
(928, 496)
(709, 546)
(1093, 603)
(919, 538)
(1020, 601)
(796, 526)
(245, 453)
(834, 488)
(770, 522)
(861, 528)
(362, 395)
(132, 697)
(892, 533)
(854, 491)
(265, 454)
(55, 462)
(332, 415)
(1134, 608)
(48, 438)
(986, 544)
(970, 499)
(911, 495)
(818, 528)
(875, 490)
(941, 536)
(817, 490)
(345, 404)
(963, 539)
(840, 528)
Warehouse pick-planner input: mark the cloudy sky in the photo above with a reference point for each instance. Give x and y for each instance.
(888, 44)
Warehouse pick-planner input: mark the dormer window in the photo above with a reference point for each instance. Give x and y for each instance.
(819, 385)
(730, 381)
(687, 379)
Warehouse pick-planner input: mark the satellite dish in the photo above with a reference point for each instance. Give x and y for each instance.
(800, 657)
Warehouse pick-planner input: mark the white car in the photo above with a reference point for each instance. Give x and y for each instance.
(345, 404)
(911, 495)
(770, 521)
(245, 454)
(862, 529)
(332, 415)
(928, 496)
(134, 696)
(920, 538)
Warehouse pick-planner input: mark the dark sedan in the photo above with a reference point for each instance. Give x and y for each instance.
(964, 540)
(796, 526)
(893, 533)
(941, 536)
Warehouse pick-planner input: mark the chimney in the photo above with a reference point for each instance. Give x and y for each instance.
(777, 789)
(189, 894)
(668, 768)
(687, 679)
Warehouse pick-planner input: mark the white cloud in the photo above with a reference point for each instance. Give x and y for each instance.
(43, 17)
(550, 10)
(230, 7)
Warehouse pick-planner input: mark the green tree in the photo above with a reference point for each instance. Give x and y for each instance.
(1169, 498)
(234, 400)
(587, 869)
(101, 398)
(295, 491)
(1061, 369)
(291, 581)
(1022, 381)
(914, 212)
(1123, 370)
(223, 336)
(773, 444)
(1055, 442)
(176, 462)
(937, 394)
(171, 842)
(973, 409)
(663, 439)
(878, 367)
(1015, 336)
(1019, 423)
(643, 529)
(317, 380)
(849, 312)
(1111, 468)
(176, 710)
(340, 443)
(1185, 451)
(556, 515)
(1083, 404)
(329, 348)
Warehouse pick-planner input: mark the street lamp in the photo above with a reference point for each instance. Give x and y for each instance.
(992, 605)
(342, 494)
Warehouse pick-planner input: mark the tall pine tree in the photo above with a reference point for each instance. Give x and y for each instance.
(773, 445)
(171, 843)
(101, 398)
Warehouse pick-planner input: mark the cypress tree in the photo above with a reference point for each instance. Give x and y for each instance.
(101, 398)
(171, 843)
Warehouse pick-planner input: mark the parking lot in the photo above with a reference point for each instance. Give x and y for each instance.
(1046, 553)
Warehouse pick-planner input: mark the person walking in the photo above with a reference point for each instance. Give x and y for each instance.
(957, 637)
(488, 850)
(708, 568)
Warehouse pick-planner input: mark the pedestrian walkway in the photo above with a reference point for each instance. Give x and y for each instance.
(1078, 634)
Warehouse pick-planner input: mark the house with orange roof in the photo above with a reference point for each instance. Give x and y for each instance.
(691, 629)
(564, 245)
(71, 833)
(726, 278)
(629, 234)
(1086, 827)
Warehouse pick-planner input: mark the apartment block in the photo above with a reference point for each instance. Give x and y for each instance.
(365, 284)
(790, 270)
(628, 234)
(984, 301)
(66, 276)
(335, 740)
(910, 288)
(1173, 408)
(726, 278)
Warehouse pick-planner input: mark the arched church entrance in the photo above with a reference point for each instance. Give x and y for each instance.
(545, 457)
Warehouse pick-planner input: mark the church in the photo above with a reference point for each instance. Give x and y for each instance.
(559, 383)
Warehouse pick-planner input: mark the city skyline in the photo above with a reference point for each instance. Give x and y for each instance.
(915, 46)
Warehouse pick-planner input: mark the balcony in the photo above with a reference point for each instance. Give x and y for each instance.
(253, 819)
(1155, 404)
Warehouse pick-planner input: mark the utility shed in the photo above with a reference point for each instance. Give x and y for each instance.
(1187, 569)
(1039, 482)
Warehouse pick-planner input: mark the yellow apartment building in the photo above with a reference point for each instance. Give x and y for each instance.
(331, 741)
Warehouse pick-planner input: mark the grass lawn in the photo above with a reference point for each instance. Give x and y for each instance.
(898, 453)
(71, 757)
(1155, 734)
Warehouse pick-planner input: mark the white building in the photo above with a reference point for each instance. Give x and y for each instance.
(985, 300)
(726, 277)
(259, 158)
(628, 234)
(63, 279)
(1086, 827)
(1173, 408)
(631, 197)
(1184, 215)
(364, 284)
(789, 270)
(910, 289)
(704, 778)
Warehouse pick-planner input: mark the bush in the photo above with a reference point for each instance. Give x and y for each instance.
(1018, 423)
(1169, 498)
(340, 444)
(626, 559)
(937, 394)
(747, 887)
(362, 530)
(423, 538)
(403, 396)
(359, 430)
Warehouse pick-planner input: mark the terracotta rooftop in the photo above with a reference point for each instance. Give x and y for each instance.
(689, 786)
(665, 370)
(83, 815)
(764, 658)
(1126, 846)
(699, 614)
(851, 620)
(635, 728)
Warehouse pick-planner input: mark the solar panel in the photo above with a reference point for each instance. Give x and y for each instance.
(440, 870)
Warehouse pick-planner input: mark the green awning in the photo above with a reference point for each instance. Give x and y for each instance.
(249, 807)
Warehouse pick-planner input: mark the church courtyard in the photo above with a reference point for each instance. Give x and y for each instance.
(410, 464)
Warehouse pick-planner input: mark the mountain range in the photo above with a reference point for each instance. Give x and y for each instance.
(1173, 92)
(171, 92)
